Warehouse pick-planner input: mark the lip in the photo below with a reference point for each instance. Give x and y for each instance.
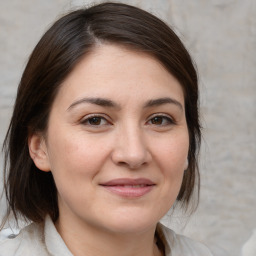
(131, 188)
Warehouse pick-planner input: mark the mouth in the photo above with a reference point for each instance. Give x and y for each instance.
(130, 188)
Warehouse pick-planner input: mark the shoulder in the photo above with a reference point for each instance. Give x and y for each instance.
(177, 245)
(28, 242)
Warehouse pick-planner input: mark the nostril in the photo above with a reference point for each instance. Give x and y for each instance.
(130, 165)
(122, 163)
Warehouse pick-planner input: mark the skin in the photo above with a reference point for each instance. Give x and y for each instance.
(89, 142)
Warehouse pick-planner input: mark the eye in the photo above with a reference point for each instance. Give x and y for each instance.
(161, 120)
(95, 121)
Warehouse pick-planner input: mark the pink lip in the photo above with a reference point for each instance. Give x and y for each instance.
(129, 187)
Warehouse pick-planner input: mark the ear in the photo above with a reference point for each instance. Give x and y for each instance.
(186, 165)
(38, 152)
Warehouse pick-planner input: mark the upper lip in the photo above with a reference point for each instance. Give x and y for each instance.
(128, 181)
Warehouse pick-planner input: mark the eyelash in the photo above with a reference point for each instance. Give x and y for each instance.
(168, 120)
(97, 117)
(89, 118)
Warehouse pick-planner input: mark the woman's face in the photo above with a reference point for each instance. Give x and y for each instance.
(117, 140)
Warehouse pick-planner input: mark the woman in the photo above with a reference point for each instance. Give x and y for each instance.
(104, 137)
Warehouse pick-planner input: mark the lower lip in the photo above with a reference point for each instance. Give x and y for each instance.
(131, 192)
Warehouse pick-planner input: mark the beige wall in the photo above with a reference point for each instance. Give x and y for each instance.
(221, 36)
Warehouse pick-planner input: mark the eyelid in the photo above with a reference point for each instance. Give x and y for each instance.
(85, 118)
(163, 115)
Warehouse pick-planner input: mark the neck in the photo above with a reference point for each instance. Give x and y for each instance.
(83, 239)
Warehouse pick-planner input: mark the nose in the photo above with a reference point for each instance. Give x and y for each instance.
(131, 148)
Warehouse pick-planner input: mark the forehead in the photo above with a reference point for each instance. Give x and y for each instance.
(118, 73)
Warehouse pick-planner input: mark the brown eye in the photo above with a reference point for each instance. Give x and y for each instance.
(157, 120)
(95, 120)
(160, 120)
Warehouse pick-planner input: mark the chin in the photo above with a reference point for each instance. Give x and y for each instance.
(135, 227)
(132, 223)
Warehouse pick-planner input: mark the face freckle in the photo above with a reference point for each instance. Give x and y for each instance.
(123, 161)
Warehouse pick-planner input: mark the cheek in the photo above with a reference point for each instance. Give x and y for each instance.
(74, 153)
(172, 153)
(76, 161)
(74, 165)
(171, 158)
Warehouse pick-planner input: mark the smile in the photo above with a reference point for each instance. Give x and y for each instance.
(129, 188)
(133, 186)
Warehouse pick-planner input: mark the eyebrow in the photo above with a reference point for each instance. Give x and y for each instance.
(109, 103)
(162, 101)
(97, 101)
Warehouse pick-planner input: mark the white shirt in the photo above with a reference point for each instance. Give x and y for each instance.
(44, 240)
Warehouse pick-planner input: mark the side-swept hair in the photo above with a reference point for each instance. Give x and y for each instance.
(32, 193)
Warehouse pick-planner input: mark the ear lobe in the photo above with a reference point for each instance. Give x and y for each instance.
(186, 165)
(38, 152)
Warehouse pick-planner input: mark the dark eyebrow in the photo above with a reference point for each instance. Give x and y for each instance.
(97, 101)
(161, 101)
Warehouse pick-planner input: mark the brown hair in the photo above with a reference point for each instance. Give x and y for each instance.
(32, 193)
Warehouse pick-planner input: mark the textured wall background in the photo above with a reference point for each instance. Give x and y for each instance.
(221, 36)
